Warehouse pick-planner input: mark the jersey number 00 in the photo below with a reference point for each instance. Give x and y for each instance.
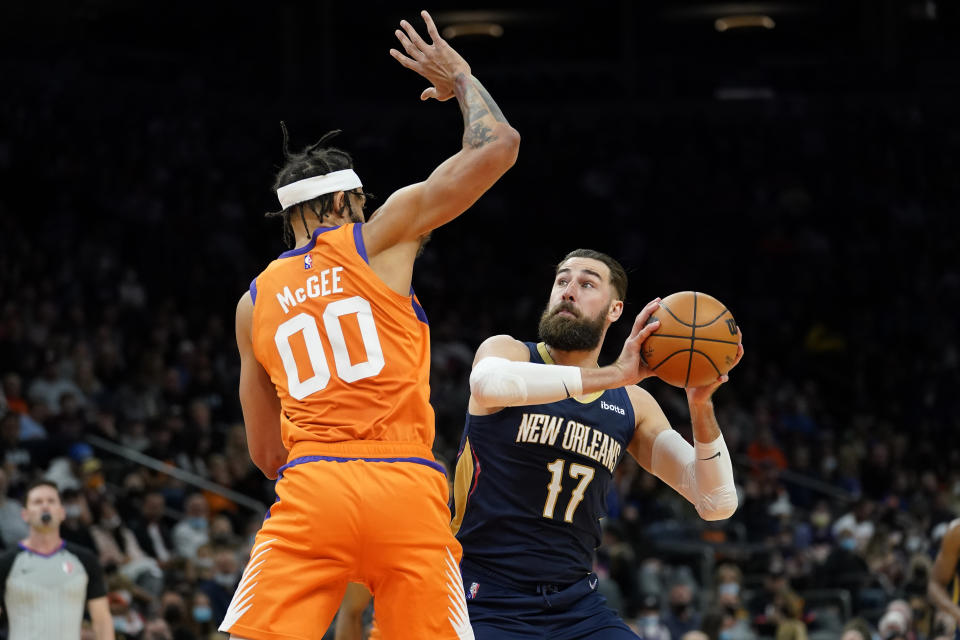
(346, 371)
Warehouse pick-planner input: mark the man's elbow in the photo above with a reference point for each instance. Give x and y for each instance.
(269, 462)
(719, 506)
(508, 146)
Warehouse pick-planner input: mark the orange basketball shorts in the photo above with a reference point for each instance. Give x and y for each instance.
(382, 522)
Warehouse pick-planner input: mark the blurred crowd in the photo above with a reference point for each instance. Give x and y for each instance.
(826, 225)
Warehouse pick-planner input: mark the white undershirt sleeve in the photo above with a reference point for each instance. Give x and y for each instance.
(498, 382)
(703, 474)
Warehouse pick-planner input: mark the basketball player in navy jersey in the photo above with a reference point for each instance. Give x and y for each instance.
(545, 428)
(943, 588)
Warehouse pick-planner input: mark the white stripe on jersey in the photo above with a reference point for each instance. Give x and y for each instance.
(459, 619)
(242, 599)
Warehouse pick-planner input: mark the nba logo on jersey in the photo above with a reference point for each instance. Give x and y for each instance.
(308, 261)
(67, 567)
(474, 588)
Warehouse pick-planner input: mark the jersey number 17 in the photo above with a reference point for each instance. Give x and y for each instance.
(581, 471)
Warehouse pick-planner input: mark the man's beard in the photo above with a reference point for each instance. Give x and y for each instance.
(570, 334)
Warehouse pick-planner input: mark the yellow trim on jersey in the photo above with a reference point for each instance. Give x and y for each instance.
(462, 479)
(584, 399)
(956, 588)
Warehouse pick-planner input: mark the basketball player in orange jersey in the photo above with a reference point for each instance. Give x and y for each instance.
(335, 353)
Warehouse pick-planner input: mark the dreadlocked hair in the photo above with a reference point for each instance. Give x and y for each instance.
(315, 160)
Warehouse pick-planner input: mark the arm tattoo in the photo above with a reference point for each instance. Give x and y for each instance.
(477, 135)
(491, 105)
(479, 110)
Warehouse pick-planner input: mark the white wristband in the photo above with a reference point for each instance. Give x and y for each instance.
(498, 382)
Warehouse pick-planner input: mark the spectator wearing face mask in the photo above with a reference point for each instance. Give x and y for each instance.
(174, 612)
(734, 618)
(117, 547)
(219, 583)
(844, 568)
(127, 621)
(649, 625)
(682, 616)
(76, 527)
(192, 532)
(202, 614)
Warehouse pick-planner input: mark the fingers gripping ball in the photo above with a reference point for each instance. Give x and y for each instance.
(695, 343)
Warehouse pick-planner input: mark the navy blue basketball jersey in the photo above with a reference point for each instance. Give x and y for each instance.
(532, 482)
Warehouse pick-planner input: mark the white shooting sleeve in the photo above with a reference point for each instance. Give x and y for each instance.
(703, 474)
(498, 382)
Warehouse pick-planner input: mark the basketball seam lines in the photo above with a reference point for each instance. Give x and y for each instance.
(693, 337)
(692, 351)
(666, 335)
(708, 358)
(719, 315)
(687, 324)
(668, 357)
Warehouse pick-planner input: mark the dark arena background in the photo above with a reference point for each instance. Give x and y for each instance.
(801, 164)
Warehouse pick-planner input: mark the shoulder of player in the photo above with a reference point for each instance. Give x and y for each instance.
(384, 228)
(639, 397)
(502, 346)
(646, 409)
(951, 538)
(245, 303)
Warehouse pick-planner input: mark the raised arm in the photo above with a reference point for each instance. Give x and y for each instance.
(503, 375)
(489, 148)
(944, 569)
(258, 399)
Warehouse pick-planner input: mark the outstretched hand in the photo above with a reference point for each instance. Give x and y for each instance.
(630, 361)
(697, 395)
(436, 61)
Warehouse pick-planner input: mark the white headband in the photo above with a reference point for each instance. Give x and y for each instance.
(310, 188)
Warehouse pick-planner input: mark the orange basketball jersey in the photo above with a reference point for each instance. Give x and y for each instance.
(349, 356)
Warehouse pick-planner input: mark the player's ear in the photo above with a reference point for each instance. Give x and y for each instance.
(615, 310)
(339, 202)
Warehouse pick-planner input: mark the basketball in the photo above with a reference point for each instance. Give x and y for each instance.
(696, 341)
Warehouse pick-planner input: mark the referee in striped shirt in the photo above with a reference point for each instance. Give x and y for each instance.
(45, 582)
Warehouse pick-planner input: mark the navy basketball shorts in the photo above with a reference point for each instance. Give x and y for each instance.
(543, 612)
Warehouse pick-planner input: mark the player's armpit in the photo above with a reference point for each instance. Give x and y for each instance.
(258, 399)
